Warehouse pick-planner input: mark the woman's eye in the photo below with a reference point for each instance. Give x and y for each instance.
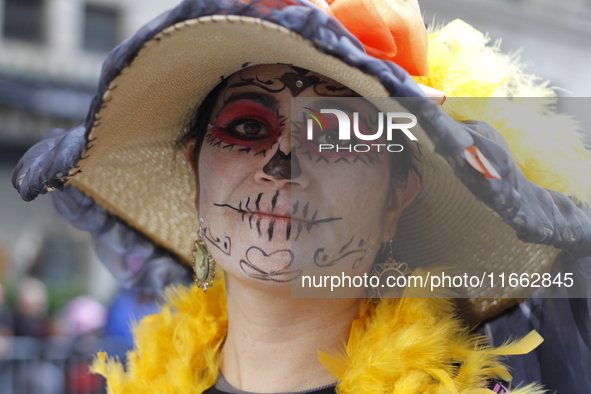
(327, 138)
(330, 137)
(249, 128)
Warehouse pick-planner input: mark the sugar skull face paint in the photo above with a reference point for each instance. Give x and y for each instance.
(279, 207)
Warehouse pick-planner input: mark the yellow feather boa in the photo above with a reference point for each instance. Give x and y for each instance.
(401, 346)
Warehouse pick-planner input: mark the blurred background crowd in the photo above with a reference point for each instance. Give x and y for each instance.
(58, 304)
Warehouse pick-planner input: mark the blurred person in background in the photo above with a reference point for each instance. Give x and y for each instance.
(31, 372)
(127, 308)
(82, 316)
(6, 320)
(31, 309)
(82, 319)
(6, 323)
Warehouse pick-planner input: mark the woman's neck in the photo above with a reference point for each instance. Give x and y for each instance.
(273, 339)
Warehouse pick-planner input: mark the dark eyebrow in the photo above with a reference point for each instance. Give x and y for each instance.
(266, 100)
(332, 103)
(350, 104)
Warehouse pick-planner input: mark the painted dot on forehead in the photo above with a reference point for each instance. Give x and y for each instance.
(275, 78)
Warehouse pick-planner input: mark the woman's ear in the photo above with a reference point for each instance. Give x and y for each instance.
(191, 157)
(398, 201)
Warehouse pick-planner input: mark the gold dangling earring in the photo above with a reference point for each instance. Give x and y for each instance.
(203, 264)
(388, 272)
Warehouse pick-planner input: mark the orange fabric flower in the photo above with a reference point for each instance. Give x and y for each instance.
(388, 29)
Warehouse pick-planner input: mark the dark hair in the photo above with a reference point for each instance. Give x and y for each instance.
(404, 162)
(198, 123)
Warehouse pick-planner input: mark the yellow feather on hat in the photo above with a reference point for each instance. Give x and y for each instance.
(548, 147)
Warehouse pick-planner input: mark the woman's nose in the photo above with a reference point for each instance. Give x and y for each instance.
(282, 169)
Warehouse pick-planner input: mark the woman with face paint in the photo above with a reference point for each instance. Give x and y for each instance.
(275, 206)
(215, 148)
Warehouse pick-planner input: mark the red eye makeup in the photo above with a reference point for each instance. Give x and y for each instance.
(326, 144)
(247, 124)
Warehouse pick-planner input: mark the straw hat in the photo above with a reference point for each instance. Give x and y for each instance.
(137, 191)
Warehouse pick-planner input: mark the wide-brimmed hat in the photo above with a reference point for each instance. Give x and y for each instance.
(125, 180)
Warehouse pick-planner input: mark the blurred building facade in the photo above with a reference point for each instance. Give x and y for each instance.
(51, 53)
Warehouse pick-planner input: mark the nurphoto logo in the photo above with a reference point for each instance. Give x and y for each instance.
(404, 122)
